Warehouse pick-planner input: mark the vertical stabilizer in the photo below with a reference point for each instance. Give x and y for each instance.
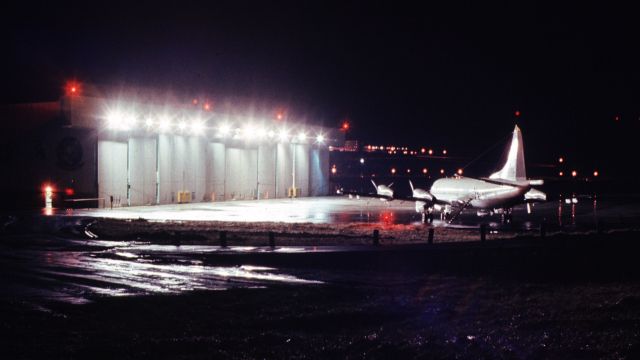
(513, 168)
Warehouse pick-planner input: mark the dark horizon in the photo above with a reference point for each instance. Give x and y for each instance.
(441, 76)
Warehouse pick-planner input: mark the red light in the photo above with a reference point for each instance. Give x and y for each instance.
(430, 151)
(517, 113)
(69, 192)
(73, 88)
(345, 126)
(207, 106)
(279, 116)
(194, 101)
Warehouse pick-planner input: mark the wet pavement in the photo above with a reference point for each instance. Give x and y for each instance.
(584, 212)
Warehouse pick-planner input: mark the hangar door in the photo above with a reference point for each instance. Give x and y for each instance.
(112, 172)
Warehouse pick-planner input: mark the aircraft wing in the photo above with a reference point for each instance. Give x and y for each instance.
(363, 194)
(524, 183)
(412, 198)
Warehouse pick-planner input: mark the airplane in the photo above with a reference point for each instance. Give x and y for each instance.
(496, 194)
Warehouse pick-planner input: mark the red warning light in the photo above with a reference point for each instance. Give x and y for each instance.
(73, 88)
(206, 106)
(345, 126)
(517, 113)
(69, 192)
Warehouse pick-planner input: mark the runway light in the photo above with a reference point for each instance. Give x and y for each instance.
(596, 173)
(444, 152)
(361, 160)
(320, 139)
(430, 151)
(408, 171)
(345, 126)
(561, 159)
(424, 171)
(423, 150)
(393, 170)
(561, 173)
(206, 106)
(574, 173)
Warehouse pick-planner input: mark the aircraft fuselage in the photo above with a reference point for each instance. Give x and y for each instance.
(482, 194)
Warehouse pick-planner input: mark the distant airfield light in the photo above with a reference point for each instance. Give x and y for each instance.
(302, 136)
(430, 151)
(574, 173)
(113, 120)
(320, 139)
(444, 152)
(408, 171)
(460, 171)
(334, 169)
(596, 173)
(560, 159)
(206, 106)
(345, 126)
(279, 116)
(517, 113)
(423, 150)
(194, 101)
(361, 160)
(561, 173)
(441, 171)
(424, 171)
(617, 118)
(393, 170)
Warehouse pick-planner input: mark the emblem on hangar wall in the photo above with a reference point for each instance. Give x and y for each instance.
(69, 153)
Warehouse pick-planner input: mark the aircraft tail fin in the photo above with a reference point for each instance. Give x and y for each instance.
(514, 168)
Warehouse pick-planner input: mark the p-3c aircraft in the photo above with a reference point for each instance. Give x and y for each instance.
(496, 194)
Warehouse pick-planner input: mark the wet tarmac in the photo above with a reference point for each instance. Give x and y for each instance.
(582, 212)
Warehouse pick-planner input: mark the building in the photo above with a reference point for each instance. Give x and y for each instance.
(132, 147)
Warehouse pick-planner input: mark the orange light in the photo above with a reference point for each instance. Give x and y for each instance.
(574, 173)
(69, 191)
(596, 173)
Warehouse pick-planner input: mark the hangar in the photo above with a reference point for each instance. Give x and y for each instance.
(132, 147)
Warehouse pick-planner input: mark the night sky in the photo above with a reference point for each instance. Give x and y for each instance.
(430, 75)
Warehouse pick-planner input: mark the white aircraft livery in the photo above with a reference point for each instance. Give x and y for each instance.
(496, 194)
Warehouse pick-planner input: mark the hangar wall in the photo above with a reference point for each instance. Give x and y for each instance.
(145, 170)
